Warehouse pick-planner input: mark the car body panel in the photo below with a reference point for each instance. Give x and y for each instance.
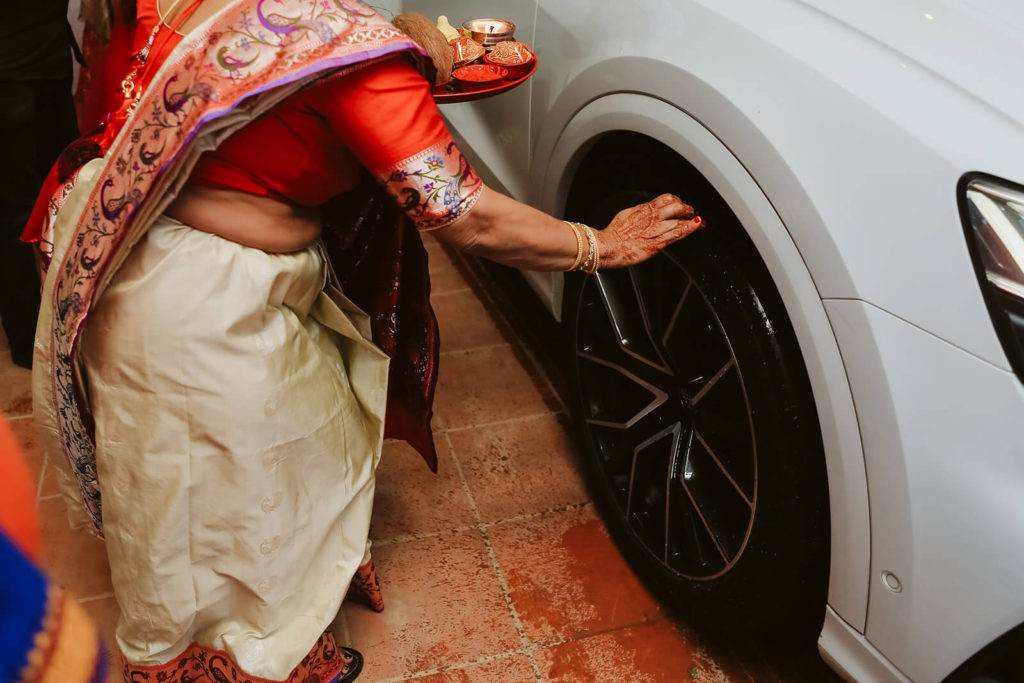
(848, 652)
(856, 217)
(945, 469)
(975, 45)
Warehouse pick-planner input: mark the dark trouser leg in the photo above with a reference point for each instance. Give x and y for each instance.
(37, 120)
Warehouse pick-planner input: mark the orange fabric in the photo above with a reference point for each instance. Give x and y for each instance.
(387, 113)
(204, 665)
(73, 649)
(18, 501)
(99, 81)
(385, 110)
(146, 17)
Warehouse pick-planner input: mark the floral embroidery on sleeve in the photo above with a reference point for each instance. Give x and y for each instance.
(435, 186)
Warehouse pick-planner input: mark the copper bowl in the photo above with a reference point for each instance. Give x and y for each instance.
(480, 76)
(487, 32)
(466, 51)
(516, 57)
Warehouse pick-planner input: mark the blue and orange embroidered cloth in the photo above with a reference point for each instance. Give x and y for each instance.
(44, 635)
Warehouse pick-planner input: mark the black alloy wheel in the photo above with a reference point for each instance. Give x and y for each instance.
(697, 422)
(660, 385)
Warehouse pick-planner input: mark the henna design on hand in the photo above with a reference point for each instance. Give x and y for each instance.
(640, 232)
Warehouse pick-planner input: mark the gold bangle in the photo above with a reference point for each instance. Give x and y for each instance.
(579, 245)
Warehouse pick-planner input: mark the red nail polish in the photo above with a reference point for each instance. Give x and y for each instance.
(697, 221)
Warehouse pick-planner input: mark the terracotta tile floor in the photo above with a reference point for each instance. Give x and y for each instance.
(495, 570)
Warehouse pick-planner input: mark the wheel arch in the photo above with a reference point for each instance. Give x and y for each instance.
(693, 142)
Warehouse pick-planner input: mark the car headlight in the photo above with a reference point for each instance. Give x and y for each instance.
(993, 214)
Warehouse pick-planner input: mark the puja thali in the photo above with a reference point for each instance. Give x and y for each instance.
(454, 91)
(488, 60)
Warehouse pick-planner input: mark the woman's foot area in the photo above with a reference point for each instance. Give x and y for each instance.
(365, 589)
(353, 665)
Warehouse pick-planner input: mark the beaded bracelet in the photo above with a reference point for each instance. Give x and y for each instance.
(593, 260)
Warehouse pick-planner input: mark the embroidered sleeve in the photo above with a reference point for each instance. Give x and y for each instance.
(435, 186)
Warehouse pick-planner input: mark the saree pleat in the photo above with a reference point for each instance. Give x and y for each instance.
(239, 413)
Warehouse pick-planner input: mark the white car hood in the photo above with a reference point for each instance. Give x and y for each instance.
(977, 45)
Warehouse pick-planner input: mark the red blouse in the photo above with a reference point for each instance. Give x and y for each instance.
(313, 145)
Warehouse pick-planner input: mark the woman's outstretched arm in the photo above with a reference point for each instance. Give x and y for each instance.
(514, 234)
(386, 115)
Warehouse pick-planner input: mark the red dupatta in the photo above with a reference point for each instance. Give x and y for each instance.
(234, 67)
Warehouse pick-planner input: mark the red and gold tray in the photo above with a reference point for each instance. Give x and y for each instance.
(452, 92)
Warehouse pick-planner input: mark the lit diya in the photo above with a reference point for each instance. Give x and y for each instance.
(514, 56)
(480, 76)
(489, 32)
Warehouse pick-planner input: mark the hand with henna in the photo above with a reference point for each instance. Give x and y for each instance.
(640, 232)
(520, 236)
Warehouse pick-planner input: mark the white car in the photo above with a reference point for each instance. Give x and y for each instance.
(808, 415)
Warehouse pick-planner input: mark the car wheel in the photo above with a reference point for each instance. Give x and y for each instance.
(697, 422)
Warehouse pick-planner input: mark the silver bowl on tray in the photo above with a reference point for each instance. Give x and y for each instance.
(489, 32)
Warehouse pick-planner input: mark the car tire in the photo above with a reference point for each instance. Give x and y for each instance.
(696, 419)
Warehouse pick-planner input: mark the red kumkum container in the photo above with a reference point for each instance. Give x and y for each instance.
(479, 76)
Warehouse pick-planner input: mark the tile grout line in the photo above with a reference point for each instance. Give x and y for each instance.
(446, 292)
(526, 516)
(547, 644)
(506, 592)
(498, 423)
(475, 285)
(495, 309)
(451, 667)
(527, 651)
(475, 349)
(409, 538)
(538, 368)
